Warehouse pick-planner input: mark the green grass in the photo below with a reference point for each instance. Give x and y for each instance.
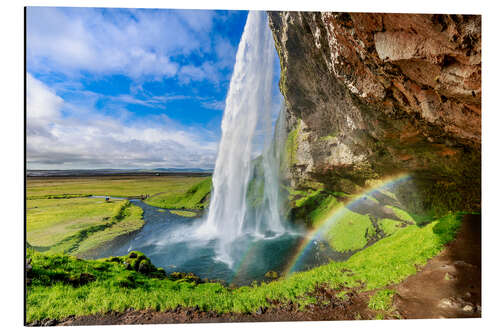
(389, 226)
(193, 198)
(388, 261)
(130, 221)
(58, 196)
(61, 219)
(119, 186)
(350, 231)
(184, 213)
(58, 229)
(291, 146)
(49, 221)
(381, 300)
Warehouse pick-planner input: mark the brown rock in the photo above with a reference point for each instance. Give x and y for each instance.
(371, 95)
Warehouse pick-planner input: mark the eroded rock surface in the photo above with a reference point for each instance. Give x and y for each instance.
(371, 95)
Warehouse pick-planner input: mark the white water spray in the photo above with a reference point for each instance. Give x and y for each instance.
(248, 106)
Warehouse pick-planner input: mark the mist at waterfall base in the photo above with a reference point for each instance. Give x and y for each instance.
(243, 235)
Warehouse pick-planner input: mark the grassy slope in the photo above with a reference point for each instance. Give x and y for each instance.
(60, 220)
(387, 261)
(51, 220)
(351, 230)
(107, 185)
(76, 225)
(190, 199)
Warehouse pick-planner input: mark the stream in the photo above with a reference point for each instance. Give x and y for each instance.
(171, 242)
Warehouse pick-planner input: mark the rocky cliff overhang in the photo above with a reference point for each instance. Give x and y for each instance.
(370, 95)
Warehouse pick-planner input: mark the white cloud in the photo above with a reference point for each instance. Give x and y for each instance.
(134, 43)
(214, 105)
(44, 106)
(103, 141)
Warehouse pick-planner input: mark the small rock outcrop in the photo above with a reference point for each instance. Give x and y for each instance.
(373, 95)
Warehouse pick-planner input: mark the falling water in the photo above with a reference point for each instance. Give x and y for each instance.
(248, 112)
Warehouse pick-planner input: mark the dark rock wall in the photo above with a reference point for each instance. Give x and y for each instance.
(372, 95)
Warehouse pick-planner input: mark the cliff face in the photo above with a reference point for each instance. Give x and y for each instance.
(372, 95)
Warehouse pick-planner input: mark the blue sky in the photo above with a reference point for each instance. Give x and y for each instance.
(128, 88)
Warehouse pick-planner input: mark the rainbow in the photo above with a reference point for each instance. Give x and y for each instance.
(335, 214)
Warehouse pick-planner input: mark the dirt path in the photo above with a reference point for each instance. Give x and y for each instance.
(448, 286)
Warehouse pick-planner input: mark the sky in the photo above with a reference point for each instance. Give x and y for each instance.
(128, 88)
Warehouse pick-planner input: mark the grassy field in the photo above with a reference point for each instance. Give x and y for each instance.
(192, 198)
(117, 186)
(76, 225)
(61, 219)
(53, 294)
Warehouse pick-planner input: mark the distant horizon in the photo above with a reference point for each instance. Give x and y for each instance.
(119, 169)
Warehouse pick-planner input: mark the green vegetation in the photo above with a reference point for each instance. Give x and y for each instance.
(386, 262)
(119, 186)
(78, 224)
(49, 221)
(351, 231)
(347, 229)
(291, 146)
(389, 226)
(58, 196)
(184, 213)
(381, 300)
(194, 198)
(61, 218)
(330, 136)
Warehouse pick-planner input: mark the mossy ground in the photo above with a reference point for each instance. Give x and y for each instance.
(184, 213)
(77, 225)
(347, 229)
(192, 198)
(386, 262)
(291, 146)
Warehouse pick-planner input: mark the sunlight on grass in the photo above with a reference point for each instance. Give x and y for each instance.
(193, 198)
(386, 262)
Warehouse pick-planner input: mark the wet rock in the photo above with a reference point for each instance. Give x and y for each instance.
(189, 277)
(29, 267)
(382, 94)
(81, 279)
(271, 275)
(261, 310)
(48, 322)
(464, 264)
(468, 308)
(144, 267)
(449, 303)
(449, 277)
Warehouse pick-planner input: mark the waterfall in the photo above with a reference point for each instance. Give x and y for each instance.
(248, 113)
